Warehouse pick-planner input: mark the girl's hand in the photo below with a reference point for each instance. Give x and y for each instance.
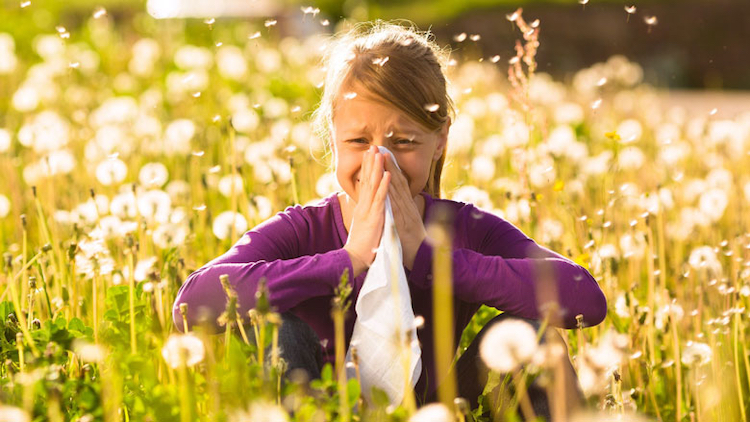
(409, 224)
(368, 217)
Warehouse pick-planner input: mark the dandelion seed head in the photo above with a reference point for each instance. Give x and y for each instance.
(89, 352)
(10, 413)
(111, 171)
(183, 349)
(508, 344)
(153, 175)
(5, 140)
(223, 223)
(4, 206)
(433, 412)
(696, 353)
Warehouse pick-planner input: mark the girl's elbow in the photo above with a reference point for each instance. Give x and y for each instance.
(597, 308)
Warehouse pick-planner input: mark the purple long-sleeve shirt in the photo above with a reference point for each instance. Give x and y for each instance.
(300, 253)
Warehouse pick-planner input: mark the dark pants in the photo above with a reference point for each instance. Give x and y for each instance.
(300, 347)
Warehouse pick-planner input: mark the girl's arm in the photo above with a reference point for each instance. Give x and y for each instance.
(270, 250)
(512, 273)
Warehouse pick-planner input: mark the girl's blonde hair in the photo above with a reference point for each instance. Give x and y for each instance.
(399, 64)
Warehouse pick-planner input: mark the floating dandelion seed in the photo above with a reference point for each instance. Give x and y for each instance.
(269, 23)
(389, 134)
(630, 9)
(535, 23)
(215, 169)
(460, 37)
(183, 349)
(514, 60)
(432, 107)
(209, 21)
(74, 65)
(583, 2)
(713, 112)
(601, 81)
(309, 10)
(595, 105)
(254, 36)
(196, 94)
(325, 22)
(295, 109)
(201, 207)
(475, 37)
(513, 16)
(25, 4)
(99, 12)
(495, 59)
(380, 61)
(651, 21)
(350, 95)
(198, 153)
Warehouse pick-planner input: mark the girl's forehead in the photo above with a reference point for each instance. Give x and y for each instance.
(365, 111)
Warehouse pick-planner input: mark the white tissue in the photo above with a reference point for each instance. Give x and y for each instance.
(384, 313)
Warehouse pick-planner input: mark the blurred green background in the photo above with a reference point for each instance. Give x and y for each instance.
(694, 44)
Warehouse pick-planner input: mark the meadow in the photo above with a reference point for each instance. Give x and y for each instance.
(132, 151)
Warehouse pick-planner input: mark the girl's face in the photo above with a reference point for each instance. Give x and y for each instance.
(361, 121)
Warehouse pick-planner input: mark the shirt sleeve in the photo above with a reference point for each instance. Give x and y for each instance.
(269, 250)
(509, 271)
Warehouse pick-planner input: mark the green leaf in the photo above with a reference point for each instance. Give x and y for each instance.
(353, 391)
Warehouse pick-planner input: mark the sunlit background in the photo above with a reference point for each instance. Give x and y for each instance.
(120, 173)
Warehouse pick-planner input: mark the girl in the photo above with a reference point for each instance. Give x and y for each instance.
(385, 86)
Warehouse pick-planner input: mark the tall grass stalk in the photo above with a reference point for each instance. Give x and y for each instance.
(402, 337)
(131, 300)
(442, 270)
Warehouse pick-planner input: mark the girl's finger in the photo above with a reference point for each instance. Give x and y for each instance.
(382, 191)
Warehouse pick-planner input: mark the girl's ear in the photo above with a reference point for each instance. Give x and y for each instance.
(442, 139)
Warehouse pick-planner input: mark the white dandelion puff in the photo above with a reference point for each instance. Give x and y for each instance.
(231, 184)
(183, 349)
(433, 412)
(153, 175)
(223, 223)
(508, 344)
(111, 171)
(4, 140)
(4, 206)
(696, 353)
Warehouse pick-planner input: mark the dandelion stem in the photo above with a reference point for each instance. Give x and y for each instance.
(519, 379)
(131, 284)
(337, 314)
(95, 306)
(677, 369)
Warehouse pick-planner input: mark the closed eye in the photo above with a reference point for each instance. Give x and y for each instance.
(357, 141)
